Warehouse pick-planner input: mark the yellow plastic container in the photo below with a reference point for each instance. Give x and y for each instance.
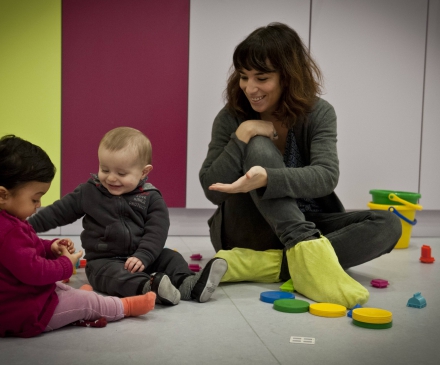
(327, 310)
(407, 214)
(372, 315)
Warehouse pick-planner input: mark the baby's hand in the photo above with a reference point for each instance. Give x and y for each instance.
(74, 257)
(133, 264)
(66, 242)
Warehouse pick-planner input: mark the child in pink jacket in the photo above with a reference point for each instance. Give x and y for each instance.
(32, 298)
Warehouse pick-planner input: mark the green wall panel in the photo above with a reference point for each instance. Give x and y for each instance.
(30, 76)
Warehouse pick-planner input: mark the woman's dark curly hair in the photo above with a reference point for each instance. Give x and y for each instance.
(22, 162)
(300, 76)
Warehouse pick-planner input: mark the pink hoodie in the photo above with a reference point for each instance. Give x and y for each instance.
(28, 272)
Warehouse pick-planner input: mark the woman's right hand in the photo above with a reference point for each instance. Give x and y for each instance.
(252, 128)
(255, 178)
(74, 257)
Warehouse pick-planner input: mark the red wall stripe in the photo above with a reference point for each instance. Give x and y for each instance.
(125, 63)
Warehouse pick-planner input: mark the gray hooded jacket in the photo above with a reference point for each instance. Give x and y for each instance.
(133, 224)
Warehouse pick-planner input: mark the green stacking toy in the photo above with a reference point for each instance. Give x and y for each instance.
(377, 326)
(291, 305)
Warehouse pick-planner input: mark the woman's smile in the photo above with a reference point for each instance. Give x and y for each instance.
(262, 89)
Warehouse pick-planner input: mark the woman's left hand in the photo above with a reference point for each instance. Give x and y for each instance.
(255, 178)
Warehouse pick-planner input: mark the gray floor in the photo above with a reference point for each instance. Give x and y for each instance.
(235, 327)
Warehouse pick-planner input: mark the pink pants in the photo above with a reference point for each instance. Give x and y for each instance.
(75, 304)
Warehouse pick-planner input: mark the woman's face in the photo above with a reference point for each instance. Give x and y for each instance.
(263, 90)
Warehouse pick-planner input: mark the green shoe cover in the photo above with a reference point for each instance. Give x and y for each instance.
(317, 274)
(249, 265)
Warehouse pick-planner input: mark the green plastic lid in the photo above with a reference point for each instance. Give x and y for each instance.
(291, 305)
(381, 196)
(375, 326)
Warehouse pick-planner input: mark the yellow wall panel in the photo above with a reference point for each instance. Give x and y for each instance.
(30, 76)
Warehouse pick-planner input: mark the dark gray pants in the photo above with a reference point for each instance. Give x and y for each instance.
(108, 275)
(254, 223)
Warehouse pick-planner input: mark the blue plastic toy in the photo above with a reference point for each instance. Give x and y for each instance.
(271, 296)
(417, 301)
(350, 312)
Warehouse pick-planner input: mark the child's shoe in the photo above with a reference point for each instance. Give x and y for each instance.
(209, 279)
(166, 292)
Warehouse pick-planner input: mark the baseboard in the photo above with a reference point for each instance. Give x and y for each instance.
(193, 222)
(428, 224)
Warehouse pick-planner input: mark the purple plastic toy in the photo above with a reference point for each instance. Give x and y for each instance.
(195, 267)
(379, 283)
(196, 257)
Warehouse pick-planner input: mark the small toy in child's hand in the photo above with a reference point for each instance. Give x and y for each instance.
(196, 257)
(63, 242)
(195, 267)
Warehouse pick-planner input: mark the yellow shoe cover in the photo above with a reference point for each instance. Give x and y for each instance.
(249, 265)
(317, 274)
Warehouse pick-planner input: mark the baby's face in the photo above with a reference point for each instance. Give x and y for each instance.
(24, 202)
(119, 171)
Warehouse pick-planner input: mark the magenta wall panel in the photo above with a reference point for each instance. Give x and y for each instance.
(125, 63)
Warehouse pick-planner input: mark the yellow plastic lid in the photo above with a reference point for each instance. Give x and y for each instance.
(372, 315)
(327, 310)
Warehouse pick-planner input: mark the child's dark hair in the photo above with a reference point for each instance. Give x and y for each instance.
(22, 162)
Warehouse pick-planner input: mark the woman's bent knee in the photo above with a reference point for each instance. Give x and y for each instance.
(389, 225)
(261, 151)
(392, 224)
(395, 225)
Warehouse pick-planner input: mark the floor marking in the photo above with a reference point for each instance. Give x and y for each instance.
(302, 340)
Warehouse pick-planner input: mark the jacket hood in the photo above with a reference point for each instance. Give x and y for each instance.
(142, 186)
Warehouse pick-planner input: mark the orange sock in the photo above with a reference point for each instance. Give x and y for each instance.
(86, 287)
(138, 305)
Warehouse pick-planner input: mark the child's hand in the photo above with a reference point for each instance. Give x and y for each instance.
(133, 264)
(74, 257)
(66, 242)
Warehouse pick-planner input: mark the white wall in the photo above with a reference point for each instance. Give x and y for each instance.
(216, 28)
(372, 54)
(430, 166)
